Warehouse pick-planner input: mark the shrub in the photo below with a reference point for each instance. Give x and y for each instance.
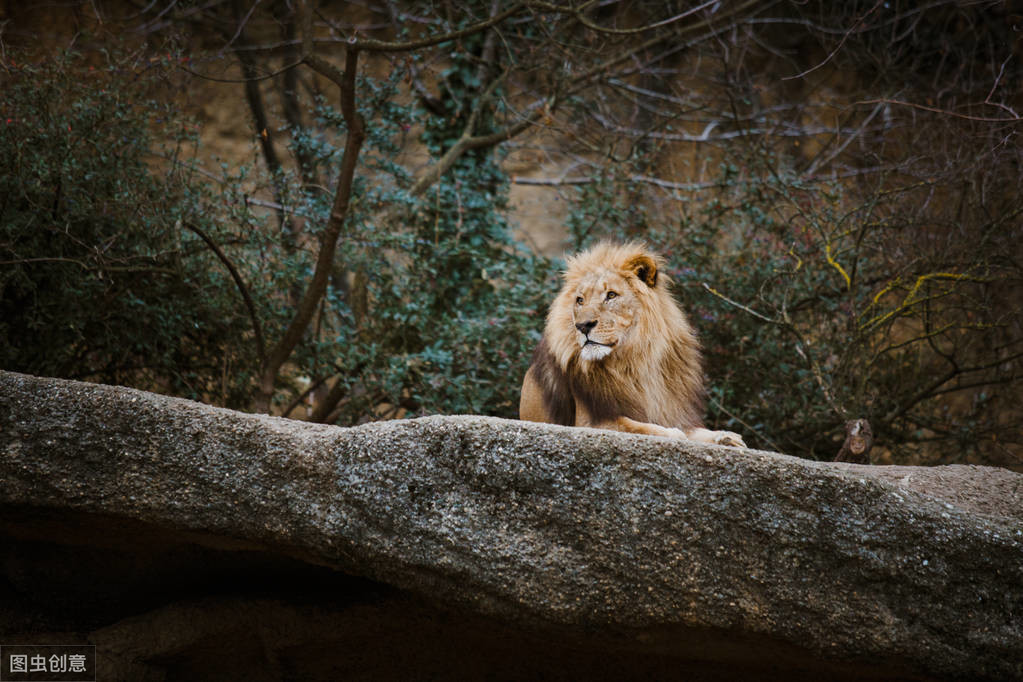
(98, 281)
(107, 238)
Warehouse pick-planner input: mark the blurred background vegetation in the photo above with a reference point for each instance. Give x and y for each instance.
(354, 211)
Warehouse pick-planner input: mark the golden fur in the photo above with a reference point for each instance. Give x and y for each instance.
(617, 352)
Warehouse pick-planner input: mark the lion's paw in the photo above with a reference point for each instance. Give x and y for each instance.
(728, 438)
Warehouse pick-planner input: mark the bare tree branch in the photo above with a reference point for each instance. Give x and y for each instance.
(345, 80)
(369, 45)
(1015, 118)
(580, 15)
(257, 328)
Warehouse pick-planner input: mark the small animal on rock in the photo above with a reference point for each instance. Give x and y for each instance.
(618, 353)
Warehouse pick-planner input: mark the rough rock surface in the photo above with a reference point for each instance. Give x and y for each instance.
(453, 547)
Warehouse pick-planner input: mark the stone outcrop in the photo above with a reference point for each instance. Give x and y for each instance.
(445, 546)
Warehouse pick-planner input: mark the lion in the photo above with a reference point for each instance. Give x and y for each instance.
(618, 353)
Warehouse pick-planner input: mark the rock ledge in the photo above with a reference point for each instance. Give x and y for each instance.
(637, 543)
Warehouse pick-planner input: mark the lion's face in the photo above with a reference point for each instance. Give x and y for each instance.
(612, 308)
(604, 312)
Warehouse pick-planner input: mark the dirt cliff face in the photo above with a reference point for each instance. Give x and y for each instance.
(179, 537)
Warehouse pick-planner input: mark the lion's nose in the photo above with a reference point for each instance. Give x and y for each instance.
(585, 327)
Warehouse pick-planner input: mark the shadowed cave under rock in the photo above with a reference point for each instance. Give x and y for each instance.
(172, 605)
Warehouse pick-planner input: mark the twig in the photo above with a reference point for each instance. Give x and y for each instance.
(238, 281)
(250, 79)
(579, 14)
(749, 310)
(945, 112)
(987, 100)
(367, 45)
(845, 37)
(821, 161)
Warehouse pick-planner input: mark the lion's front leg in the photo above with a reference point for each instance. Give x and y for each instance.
(729, 438)
(627, 425)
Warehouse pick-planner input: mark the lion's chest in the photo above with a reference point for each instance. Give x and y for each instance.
(605, 392)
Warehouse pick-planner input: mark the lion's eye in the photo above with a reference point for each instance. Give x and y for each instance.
(611, 295)
(579, 300)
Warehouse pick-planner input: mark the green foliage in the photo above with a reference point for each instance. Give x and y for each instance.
(96, 278)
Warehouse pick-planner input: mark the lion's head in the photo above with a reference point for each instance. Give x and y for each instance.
(614, 305)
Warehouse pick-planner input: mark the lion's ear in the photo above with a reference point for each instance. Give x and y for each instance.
(645, 268)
